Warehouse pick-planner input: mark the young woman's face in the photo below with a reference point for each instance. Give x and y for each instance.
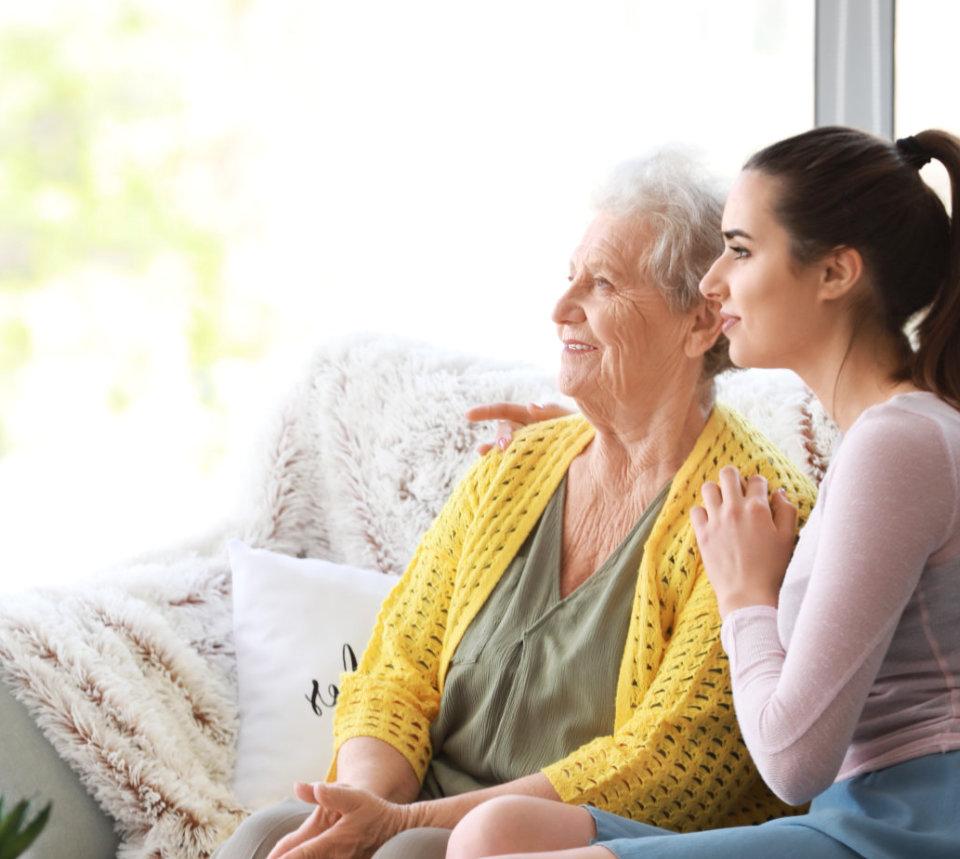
(767, 298)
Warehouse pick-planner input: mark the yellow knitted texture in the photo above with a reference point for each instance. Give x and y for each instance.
(676, 758)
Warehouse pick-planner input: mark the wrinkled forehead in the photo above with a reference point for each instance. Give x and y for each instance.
(612, 243)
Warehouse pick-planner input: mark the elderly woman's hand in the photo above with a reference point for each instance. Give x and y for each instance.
(510, 417)
(349, 823)
(745, 540)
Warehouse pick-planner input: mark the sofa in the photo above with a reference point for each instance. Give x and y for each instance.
(157, 703)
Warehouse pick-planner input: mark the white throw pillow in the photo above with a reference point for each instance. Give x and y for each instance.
(298, 623)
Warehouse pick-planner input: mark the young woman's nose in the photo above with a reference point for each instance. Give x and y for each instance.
(712, 285)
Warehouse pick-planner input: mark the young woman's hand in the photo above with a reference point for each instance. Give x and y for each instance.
(510, 417)
(745, 539)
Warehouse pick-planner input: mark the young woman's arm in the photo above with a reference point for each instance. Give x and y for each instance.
(888, 504)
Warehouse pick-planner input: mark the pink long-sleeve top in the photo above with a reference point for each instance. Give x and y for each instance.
(859, 666)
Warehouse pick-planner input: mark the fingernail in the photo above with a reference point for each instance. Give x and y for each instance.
(502, 443)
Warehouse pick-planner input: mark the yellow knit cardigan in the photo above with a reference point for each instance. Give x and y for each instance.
(676, 758)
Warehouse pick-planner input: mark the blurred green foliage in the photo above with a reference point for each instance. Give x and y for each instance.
(15, 345)
(92, 168)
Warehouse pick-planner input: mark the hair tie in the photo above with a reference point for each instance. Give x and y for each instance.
(912, 152)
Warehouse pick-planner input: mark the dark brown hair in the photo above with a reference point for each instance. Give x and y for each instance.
(843, 187)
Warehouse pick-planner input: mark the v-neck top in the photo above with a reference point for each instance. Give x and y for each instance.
(535, 676)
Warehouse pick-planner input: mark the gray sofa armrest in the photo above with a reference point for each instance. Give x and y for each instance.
(30, 768)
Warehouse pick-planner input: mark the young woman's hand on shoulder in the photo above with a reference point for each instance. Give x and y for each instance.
(745, 539)
(510, 417)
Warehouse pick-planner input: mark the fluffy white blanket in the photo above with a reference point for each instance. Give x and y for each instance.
(133, 686)
(133, 679)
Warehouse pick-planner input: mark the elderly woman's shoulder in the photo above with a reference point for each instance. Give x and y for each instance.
(739, 442)
(566, 430)
(545, 444)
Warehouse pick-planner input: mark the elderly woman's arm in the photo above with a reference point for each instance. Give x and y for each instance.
(376, 766)
(394, 695)
(384, 780)
(360, 821)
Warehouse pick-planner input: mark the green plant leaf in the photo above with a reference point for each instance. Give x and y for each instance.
(13, 840)
(10, 825)
(24, 839)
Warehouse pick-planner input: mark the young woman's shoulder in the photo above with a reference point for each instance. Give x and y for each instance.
(919, 419)
(911, 439)
(898, 464)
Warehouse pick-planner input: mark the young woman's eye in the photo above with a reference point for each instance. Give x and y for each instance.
(738, 252)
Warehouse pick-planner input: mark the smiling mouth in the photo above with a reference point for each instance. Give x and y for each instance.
(575, 346)
(728, 321)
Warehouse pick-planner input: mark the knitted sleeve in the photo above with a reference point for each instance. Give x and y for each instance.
(394, 694)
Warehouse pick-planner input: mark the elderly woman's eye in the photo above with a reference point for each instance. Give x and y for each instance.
(601, 282)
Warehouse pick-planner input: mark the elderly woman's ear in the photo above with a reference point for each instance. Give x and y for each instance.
(705, 326)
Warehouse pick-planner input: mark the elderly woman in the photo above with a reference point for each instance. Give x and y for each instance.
(555, 635)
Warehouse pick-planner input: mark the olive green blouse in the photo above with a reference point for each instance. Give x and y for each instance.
(535, 676)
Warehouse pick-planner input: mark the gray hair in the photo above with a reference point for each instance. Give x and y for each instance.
(668, 192)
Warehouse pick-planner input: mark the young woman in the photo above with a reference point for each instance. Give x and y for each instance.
(845, 658)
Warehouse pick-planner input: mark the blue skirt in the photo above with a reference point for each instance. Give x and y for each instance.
(910, 810)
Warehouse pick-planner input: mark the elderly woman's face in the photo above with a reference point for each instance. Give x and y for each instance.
(621, 340)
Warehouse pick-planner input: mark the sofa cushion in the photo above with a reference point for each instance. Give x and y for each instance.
(298, 622)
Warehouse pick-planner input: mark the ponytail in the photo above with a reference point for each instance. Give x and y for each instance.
(843, 187)
(936, 364)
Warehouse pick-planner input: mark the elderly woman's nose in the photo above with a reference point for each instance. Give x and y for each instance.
(568, 307)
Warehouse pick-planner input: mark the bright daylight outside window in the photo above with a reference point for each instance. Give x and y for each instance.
(919, 94)
(194, 194)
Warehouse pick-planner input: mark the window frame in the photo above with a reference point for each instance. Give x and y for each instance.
(854, 64)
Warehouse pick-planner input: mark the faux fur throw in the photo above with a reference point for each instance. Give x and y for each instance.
(133, 678)
(133, 687)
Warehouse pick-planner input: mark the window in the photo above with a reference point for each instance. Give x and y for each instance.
(194, 194)
(923, 96)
